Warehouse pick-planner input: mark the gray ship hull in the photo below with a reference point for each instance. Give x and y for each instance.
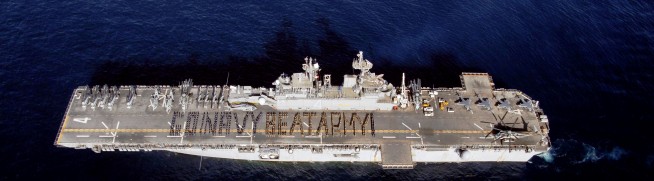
(457, 135)
(307, 119)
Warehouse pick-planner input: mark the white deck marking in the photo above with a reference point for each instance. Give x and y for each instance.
(478, 126)
(82, 120)
(287, 136)
(252, 128)
(169, 124)
(174, 136)
(82, 136)
(412, 129)
(218, 136)
(117, 124)
(182, 133)
(244, 130)
(388, 137)
(115, 133)
(242, 136)
(105, 125)
(465, 137)
(312, 136)
(150, 136)
(305, 124)
(407, 127)
(106, 136)
(419, 125)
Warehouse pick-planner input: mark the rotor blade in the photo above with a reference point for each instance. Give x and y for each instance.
(502, 119)
(488, 134)
(486, 122)
(525, 123)
(494, 116)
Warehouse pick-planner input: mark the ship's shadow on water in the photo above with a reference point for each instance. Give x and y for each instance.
(284, 53)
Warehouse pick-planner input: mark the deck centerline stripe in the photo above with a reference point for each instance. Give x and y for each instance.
(250, 131)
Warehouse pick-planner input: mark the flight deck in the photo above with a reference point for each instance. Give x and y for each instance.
(365, 119)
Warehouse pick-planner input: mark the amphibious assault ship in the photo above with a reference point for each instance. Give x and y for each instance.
(304, 118)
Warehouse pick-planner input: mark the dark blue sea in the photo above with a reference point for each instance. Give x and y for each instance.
(590, 63)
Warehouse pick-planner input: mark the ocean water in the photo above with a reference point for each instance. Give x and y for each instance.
(588, 62)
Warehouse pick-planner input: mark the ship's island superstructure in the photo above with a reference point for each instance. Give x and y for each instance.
(304, 118)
